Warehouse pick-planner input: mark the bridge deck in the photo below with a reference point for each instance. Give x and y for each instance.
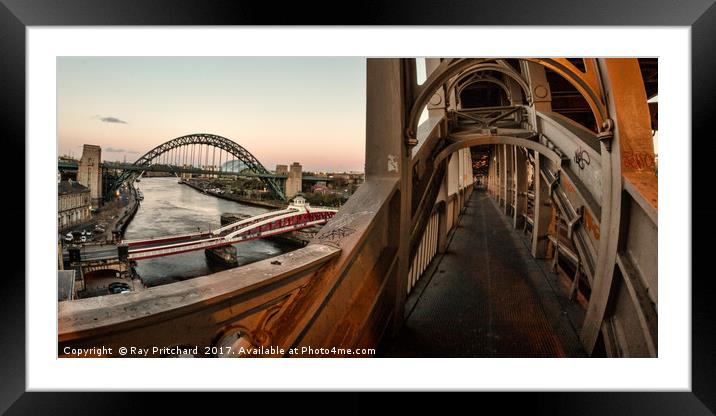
(487, 297)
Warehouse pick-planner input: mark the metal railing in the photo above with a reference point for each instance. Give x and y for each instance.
(427, 248)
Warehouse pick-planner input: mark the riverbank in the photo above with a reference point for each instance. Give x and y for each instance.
(241, 200)
(121, 225)
(112, 217)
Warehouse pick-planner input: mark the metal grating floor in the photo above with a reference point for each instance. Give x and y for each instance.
(487, 297)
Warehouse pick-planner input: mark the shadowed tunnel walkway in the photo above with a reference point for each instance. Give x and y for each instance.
(487, 297)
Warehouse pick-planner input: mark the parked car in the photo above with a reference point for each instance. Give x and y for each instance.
(118, 287)
(69, 237)
(83, 239)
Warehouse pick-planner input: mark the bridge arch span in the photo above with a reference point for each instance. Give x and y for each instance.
(210, 140)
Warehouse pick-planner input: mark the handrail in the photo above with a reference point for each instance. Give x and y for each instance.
(350, 230)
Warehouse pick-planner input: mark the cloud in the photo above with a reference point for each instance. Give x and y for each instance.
(115, 150)
(111, 120)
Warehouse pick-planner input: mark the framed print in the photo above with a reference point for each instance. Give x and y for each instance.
(397, 208)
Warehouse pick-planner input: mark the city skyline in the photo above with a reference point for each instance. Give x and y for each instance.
(309, 110)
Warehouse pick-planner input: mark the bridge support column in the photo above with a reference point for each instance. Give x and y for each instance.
(501, 174)
(489, 173)
(536, 77)
(488, 185)
(542, 211)
(520, 188)
(294, 181)
(442, 212)
(89, 173)
(494, 183)
(389, 84)
(507, 161)
(442, 229)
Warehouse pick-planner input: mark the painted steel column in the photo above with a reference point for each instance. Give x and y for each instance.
(536, 77)
(442, 229)
(503, 174)
(520, 187)
(542, 212)
(498, 178)
(493, 169)
(388, 156)
(507, 160)
(495, 172)
(500, 167)
(442, 213)
(486, 181)
(489, 174)
(511, 176)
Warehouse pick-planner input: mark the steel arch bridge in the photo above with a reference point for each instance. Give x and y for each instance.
(201, 139)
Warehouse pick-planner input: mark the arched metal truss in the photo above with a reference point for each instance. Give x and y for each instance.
(481, 140)
(473, 72)
(476, 79)
(587, 82)
(212, 140)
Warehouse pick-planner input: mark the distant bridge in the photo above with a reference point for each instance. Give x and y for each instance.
(73, 164)
(193, 152)
(297, 216)
(201, 154)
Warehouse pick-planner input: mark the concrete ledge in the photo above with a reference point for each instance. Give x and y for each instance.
(100, 314)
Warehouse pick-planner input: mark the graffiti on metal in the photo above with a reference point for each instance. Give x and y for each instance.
(581, 158)
(335, 235)
(639, 160)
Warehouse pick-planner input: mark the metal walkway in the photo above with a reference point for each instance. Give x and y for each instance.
(487, 297)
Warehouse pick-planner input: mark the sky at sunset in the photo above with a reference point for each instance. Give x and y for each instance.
(282, 110)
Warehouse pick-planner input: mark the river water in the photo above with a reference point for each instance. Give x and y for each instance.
(170, 208)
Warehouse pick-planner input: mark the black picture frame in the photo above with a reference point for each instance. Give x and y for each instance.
(700, 15)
